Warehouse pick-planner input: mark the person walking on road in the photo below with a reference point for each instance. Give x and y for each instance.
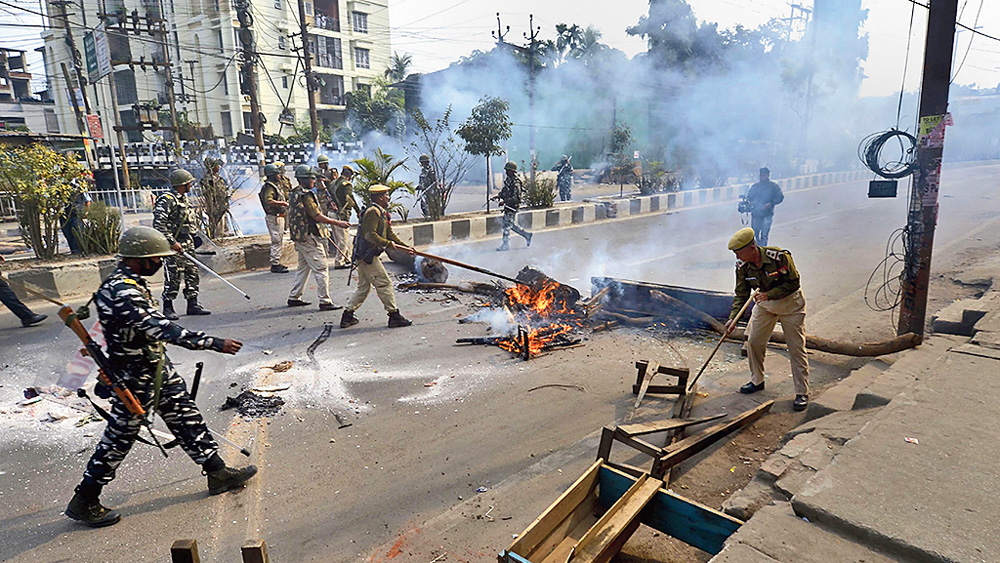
(510, 196)
(175, 218)
(564, 179)
(273, 200)
(10, 299)
(374, 236)
(763, 196)
(304, 219)
(343, 198)
(779, 297)
(136, 332)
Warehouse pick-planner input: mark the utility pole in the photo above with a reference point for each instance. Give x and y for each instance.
(248, 83)
(77, 61)
(80, 121)
(194, 91)
(923, 209)
(168, 76)
(113, 86)
(531, 36)
(310, 79)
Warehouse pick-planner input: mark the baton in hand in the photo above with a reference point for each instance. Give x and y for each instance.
(211, 271)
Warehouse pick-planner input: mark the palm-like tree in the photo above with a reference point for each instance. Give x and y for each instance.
(399, 66)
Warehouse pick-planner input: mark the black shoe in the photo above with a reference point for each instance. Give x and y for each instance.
(90, 512)
(297, 303)
(279, 269)
(398, 321)
(168, 309)
(751, 387)
(229, 478)
(527, 238)
(348, 319)
(342, 267)
(195, 309)
(34, 319)
(329, 307)
(801, 402)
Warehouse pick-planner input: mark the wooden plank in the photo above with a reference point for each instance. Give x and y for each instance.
(682, 409)
(634, 294)
(607, 440)
(636, 443)
(605, 538)
(626, 468)
(641, 428)
(692, 445)
(254, 551)
(184, 551)
(667, 370)
(537, 531)
(564, 543)
(662, 389)
(672, 514)
(648, 371)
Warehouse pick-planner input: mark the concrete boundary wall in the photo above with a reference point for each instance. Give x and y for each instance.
(82, 278)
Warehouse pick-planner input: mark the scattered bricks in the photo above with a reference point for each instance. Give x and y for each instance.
(817, 457)
(800, 443)
(837, 428)
(773, 467)
(793, 479)
(745, 502)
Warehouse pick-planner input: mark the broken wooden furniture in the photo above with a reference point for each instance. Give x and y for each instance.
(634, 296)
(647, 370)
(664, 458)
(592, 520)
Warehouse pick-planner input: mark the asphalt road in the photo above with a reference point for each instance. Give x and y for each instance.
(430, 422)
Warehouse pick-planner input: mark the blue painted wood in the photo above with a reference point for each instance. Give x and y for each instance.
(691, 523)
(511, 557)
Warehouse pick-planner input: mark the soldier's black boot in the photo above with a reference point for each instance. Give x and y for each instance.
(398, 321)
(168, 309)
(229, 478)
(348, 319)
(527, 239)
(195, 309)
(85, 507)
(504, 246)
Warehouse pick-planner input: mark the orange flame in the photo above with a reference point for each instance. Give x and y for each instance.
(542, 301)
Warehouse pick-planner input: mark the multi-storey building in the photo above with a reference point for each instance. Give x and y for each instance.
(348, 39)
(20, 109)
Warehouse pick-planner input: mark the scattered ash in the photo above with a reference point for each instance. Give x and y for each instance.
(252, 405)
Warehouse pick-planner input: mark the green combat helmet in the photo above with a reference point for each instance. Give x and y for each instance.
(322, 158)
(143, 242)
(424, 159)
(512, 166)
(180, 177)
(304, 171)
(270, 170)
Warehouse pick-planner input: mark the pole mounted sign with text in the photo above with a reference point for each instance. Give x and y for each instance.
(95, 46)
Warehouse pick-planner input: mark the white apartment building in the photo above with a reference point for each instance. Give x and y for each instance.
(349, 41)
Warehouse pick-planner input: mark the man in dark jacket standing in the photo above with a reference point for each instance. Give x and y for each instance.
(763, 196)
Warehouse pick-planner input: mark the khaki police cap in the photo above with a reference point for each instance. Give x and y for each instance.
(742, 239)
(375, 189)
(347, 170)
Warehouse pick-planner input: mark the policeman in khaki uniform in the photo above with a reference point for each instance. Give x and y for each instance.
(374, 236)
(275, 204)
(136, 332)
(304, 218)
(176, 219)
(772, 272)
(343, 199)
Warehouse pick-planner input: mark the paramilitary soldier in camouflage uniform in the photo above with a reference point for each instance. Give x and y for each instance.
(510, 196)
(772, 272)
(136, 332)
(174, 217)
(275, 206)
(304, 217)
(427, 184)
(324, 185)
(564, 181)
(343, 198)
(374, 236)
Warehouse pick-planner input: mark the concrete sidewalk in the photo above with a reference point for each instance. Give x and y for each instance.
(902, 466)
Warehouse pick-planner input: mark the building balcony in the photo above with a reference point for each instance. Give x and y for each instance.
(328, 61)
(324, 21)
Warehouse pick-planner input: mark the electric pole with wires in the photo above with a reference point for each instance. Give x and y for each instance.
(248, 76)
(310, 79)
(923, 208)
(531, 52)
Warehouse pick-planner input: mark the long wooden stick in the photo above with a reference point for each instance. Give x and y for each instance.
(467, 266)
(721, 340)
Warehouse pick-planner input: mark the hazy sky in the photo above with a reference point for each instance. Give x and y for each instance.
(437, 35)
(439, 32)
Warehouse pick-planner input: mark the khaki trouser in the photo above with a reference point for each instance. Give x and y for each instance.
(312, 258)
(341, 238)
(791, 311)
(369, 275)
(275, 228)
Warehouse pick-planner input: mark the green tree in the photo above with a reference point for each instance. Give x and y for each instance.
(449, 160)
(399, 66)
(486, 127)
(379, 170)
(376, 108)
(622, 169)
(42, 183)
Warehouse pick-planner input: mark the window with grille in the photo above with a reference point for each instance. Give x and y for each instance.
(360, 20)
(361, 59)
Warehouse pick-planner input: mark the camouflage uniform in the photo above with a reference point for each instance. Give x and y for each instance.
(309, 238)
(174, 217)
(324, 186)
(510, 195)
(564, 181)
(427, 185)
(135, 332)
